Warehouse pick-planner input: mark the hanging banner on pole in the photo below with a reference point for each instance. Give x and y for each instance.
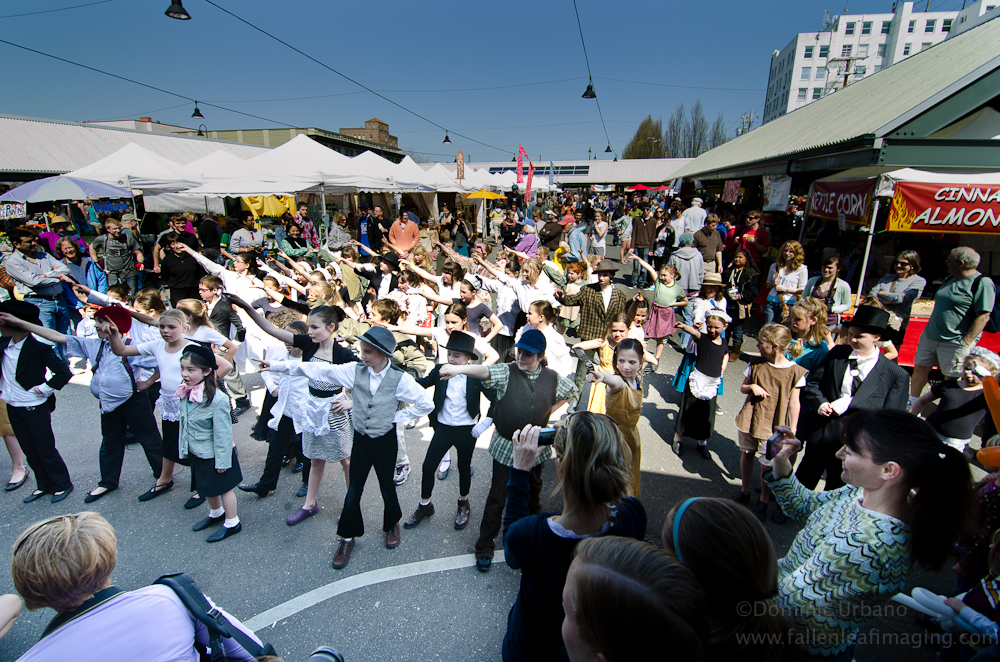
(552, 172)
(531, 175)
(927, 207)
(522, 156)
(776, 190)
(460, 165)
(731, 191)
(850, 200)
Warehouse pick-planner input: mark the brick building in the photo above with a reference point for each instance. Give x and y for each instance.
(374, 130)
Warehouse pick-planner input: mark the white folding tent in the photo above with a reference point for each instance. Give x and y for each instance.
(135, 167)
(395, 177)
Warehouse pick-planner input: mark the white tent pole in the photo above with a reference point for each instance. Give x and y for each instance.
(325, 231)
(868, 249)
(135, 207)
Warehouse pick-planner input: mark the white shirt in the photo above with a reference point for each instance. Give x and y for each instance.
(440, 336)
(507, 304)
(694, 219)
(169, 364)
(12, 392)
(606, 295)
(600, 240)
(865, 365)
(556, 350)
(343, 375)
(455, 411)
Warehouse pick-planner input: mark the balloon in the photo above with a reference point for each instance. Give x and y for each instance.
(934, 602)
(910, 603)
(989, 457)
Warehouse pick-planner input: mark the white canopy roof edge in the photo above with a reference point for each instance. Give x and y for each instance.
(136, 167)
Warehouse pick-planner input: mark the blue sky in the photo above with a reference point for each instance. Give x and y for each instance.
(425, 56)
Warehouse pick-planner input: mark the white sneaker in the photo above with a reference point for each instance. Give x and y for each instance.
(402, 471)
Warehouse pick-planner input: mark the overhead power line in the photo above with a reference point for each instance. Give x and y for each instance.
(50, 11)
(590, 76)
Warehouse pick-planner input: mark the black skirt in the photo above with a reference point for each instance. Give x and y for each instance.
(209, 481)
(171, 440)
(695, 418)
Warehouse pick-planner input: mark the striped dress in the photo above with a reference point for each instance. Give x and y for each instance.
(845, 561)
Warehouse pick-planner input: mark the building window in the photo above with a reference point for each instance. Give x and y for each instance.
(846, 51)
(886, 26)
(820, 72)
(929, 26)
(850, 28)
(913, 24)
(906, 49)
(878, 68)
(802, 94)
(866, 27)
(809, 52)
(859, 72)
(946, 24)
(924, 46)
(806, 73)
(881, 50)
(863, 50)
(817, 93)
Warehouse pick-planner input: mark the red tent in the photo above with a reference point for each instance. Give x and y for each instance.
(662, 187)
(638, 187)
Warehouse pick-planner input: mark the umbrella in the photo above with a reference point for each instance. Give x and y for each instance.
(483, 194)
(62, 187)
(664, 187)
(638, 187)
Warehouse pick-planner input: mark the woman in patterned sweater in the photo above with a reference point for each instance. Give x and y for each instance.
(907, 500)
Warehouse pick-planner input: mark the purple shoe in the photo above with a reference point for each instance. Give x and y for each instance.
(301, 514)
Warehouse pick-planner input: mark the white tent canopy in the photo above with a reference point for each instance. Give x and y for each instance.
(217, 165)
(136, 167)
(396, 177)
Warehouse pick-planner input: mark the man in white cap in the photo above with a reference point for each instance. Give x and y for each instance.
(694, 216)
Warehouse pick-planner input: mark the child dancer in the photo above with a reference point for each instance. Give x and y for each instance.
(206, 440)
(456, 412)
(710, 298)
(812, 339)
(772, 387)
(624, 400)
(124, 407)
(696, 415)
(668, 295)
(377, 388)
(638, 310)
(617, 331)
(962, 400)
(541, 316)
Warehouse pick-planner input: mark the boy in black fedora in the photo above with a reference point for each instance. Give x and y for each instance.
(30, 400)
(377, 388)
(852, 377)
(456, 413)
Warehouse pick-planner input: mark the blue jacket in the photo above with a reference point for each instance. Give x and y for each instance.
(95, 279)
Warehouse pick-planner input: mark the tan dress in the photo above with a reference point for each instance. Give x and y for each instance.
(625, 406)
(598, 391)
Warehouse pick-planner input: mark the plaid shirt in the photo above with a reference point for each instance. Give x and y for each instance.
(501, 448)
(594, 320)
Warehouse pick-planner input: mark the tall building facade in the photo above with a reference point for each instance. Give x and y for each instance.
(847, 49)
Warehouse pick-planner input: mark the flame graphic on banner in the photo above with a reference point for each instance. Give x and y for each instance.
(901, 217)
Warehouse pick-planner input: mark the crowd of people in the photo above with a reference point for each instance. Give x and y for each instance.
(514, 329)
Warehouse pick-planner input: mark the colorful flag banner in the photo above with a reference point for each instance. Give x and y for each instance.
(522, 156)
(531, 175)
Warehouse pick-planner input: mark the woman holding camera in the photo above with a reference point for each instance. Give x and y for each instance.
(907, 499)
(592, 470)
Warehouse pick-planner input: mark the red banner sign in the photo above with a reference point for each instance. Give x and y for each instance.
(521, 156)
(531, 175)
(965, 208)
(850, 201)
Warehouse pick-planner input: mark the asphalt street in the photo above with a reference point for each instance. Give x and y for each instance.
(423, 600)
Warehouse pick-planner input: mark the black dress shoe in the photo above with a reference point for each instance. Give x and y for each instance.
(155, 491)
(418, 515)
(297, 468)
(224, 533)
(302, 491)
(91, 497)
(34, 496)
(194, 502)
(255, 489)
(56, 498)
(11, 486)
(239, 410)
(207, 522)
(483, 563)
(462, 516)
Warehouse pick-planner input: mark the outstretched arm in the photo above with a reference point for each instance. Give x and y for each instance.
(259, 320)
(689, 329)
(41, 331)
(118, 346)
(645, 265)
(423, 273)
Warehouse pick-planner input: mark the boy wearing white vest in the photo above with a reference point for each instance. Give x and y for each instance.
(377, 388)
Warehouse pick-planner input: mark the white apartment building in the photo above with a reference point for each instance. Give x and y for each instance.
(848, 48)
(974, 15)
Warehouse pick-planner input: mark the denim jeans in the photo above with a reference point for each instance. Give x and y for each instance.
(639, 274)
(773, 312)
(132, 281)
(55, 316)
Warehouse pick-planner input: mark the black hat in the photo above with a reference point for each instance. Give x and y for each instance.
(22, 310)
(459, 341)
(204, 352)
(381, 339)
(871, 319)
(392, 259)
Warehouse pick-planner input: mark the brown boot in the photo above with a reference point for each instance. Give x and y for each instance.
(343, 553)
(462, 516)
(734, 354)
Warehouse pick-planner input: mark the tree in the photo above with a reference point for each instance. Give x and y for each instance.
(672, 139)
(718, 135)
(697, 131)
(647, 143)
(418, 157)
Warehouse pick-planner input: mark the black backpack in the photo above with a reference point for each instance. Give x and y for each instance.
(218, 625)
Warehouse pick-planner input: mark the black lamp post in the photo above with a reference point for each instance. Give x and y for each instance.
(201, 134)
(176, 10)
(197, 113)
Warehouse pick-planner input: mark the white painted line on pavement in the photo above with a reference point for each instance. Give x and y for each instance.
(333, 589)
